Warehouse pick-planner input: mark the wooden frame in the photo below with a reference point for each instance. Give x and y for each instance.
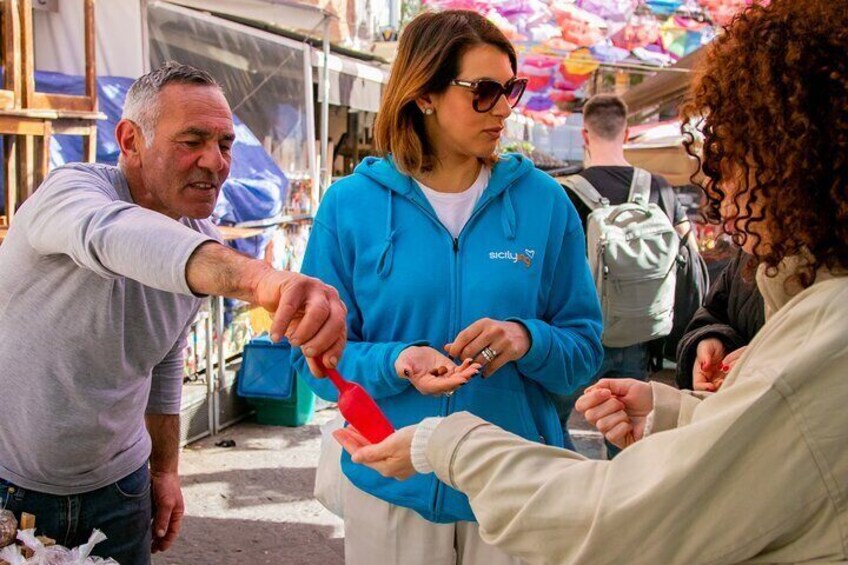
(28, 119)
(10, 95)
(43, 101)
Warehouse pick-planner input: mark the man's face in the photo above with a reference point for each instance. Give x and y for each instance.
(189, 159)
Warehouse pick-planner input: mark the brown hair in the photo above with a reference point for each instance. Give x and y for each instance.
(428, 57)
(605, 115)
(772, 100)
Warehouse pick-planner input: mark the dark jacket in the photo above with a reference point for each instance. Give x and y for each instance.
(733, 312)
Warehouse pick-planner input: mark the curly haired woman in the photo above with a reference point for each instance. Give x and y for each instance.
(756, 472)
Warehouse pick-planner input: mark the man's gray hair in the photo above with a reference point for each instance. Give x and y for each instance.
(142, 102)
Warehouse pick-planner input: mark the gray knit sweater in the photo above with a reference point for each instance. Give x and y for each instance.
(94, 310)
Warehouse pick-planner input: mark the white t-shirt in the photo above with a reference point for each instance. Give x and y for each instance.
(454, 209)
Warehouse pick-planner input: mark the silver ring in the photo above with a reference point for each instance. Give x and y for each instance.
(489, 354)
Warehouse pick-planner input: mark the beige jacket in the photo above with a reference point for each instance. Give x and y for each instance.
(755, 473)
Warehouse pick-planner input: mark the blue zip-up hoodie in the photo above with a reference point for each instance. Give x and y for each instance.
(406, 281)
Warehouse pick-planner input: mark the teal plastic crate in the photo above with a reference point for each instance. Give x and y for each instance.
(270, 384)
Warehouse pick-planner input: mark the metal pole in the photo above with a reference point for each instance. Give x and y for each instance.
(210, 365)
(222, 375)
(326, 166)
(312, 158)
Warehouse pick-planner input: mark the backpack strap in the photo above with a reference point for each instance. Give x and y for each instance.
(668, 200)
(641, 186)
(580, 186)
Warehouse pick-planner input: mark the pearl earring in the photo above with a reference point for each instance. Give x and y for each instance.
(428, 111)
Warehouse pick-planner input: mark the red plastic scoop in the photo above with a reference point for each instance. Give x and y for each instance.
(358, 408)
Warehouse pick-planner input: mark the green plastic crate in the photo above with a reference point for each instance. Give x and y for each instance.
(293, 412)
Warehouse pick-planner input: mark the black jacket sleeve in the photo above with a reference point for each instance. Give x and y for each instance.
(732, 312)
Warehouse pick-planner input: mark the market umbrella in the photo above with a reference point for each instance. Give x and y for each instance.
(639, 32)
(508, 28)
(539, 69)
(558, 45)
(606, 52)
(579, 26)
(610, 10)
(475, 5)
(576, 69)
(663, 7)
(580, 62)
(539, 103)
(525, 14)
(723, 11)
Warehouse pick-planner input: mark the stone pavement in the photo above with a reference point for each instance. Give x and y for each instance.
(252, 504)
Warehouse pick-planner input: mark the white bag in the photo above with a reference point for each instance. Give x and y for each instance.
(328, 476)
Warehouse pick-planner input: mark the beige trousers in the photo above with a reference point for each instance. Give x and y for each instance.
(379, 533)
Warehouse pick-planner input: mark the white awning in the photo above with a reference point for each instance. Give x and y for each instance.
(353, 83)
(283, 13)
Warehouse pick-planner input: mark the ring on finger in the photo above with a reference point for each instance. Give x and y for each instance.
(489, 354)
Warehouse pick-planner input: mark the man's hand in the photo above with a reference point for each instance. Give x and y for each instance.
(706, 373)
(617, 408)
(431, 372)
(491, 343)
(305, 310)
(391, 457)
(164, 430)
(168, 503)
(308, 312)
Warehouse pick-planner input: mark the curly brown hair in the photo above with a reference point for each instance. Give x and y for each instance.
(772, 101)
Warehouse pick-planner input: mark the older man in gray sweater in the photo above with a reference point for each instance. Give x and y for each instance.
(100, 278)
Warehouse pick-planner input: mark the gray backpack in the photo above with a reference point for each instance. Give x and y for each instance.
(632, 249)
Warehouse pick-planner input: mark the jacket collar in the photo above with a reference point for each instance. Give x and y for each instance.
(779, 289)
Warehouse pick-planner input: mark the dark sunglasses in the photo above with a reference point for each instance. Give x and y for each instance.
(487, 92)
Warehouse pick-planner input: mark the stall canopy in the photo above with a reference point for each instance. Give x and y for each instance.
(264, 76)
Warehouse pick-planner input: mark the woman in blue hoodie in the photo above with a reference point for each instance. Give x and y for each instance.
(444, 251)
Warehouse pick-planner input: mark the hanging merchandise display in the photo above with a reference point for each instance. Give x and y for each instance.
(561, 43)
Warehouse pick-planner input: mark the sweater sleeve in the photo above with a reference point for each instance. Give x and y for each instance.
(368, 364)
(565, 350)
(700, 485)
(166, 383)
(77, 213)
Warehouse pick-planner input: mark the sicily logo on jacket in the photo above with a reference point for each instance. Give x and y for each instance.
(525, 256)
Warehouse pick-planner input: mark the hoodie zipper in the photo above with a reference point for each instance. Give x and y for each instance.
(447, 402)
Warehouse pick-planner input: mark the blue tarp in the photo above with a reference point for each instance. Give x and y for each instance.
(256, 188)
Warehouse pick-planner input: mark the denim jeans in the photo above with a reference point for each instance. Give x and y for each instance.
(619, 362)
(121, 510)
